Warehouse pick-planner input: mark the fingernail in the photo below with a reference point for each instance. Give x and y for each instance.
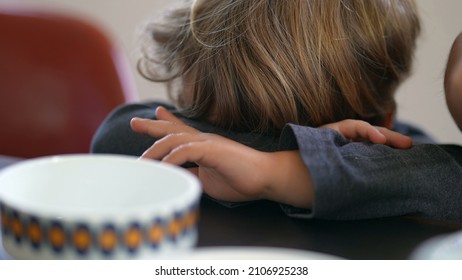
(159, 108)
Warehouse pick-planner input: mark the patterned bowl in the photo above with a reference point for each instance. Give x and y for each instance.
(97, 207)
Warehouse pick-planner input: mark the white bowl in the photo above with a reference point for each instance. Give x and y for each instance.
(97, 207)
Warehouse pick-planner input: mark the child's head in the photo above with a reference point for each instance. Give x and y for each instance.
(259, 64)
(453, 81)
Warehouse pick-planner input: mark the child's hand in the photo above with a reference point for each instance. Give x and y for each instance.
(227, 169)
(357, 130)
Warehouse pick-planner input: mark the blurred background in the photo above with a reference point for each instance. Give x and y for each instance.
(420, 99)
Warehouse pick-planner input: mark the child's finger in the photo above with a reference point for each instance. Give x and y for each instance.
(395, 139)
(164, 146)
(360, 130)
(197, 152)
(165, 115)
(159, 129)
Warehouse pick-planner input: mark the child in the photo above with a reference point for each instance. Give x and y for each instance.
(249, 69)
(453, 81)
(347, 180)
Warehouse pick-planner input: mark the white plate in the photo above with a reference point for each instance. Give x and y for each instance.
(255, 253)
(443, 247)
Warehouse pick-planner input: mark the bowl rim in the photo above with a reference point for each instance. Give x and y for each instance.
(189, 198)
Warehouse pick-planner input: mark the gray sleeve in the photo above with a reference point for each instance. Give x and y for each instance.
(115, 136)
(361, 180)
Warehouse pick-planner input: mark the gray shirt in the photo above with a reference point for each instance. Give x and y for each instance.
(351, 180)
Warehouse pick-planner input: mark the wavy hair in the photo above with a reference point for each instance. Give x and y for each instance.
(256, 65)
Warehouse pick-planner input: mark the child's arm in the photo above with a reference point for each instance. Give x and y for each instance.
(234, 172)
(228, 170)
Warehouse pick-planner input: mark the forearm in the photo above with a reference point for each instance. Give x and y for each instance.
(289, 180)
(361, 181)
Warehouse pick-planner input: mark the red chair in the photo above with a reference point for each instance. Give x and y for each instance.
(59, 78)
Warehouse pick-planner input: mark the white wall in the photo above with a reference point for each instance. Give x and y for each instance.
(420, 100)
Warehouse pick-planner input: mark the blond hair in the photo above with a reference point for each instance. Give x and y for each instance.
(257, 65)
